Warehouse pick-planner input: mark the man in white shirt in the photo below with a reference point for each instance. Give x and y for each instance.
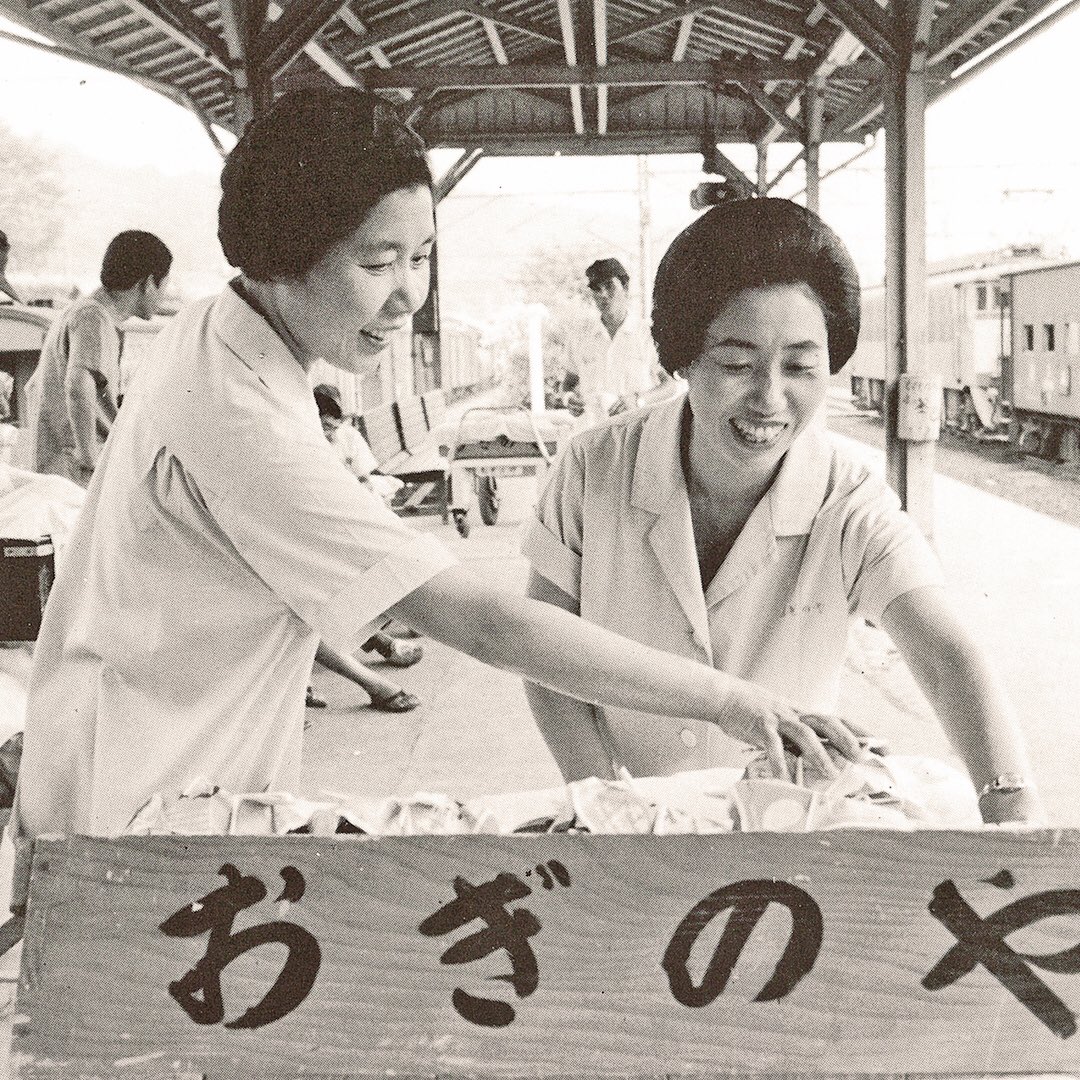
(611, 363)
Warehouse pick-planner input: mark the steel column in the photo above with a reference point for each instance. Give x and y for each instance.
(813, 103)
(909, 465)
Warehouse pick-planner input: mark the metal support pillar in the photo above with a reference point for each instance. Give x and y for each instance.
(241, 22)
(813, 103)
(909, 464)
(762, 175)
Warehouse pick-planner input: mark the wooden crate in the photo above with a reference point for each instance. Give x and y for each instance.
(857, 952)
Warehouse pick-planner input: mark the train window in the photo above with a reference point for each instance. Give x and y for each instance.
(1029, 337)
(1072, 338)
(1001, 296)
(980, 297)
(1048, 336)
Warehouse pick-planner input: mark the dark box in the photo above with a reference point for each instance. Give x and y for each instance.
(26, 575)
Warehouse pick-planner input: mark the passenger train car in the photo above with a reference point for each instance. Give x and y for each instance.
(969, 334)
(1046, 361)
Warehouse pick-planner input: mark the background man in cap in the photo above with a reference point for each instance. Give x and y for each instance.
(611, 363)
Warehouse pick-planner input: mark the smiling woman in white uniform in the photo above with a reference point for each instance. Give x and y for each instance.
(726, 528)
(222, 537)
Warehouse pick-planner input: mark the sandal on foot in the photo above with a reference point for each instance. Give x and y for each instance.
(402, 701)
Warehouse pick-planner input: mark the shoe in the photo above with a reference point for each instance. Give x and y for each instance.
(395, 651)
(402, 701)
(313, 702)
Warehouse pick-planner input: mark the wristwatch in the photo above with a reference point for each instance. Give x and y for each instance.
(1006, 784)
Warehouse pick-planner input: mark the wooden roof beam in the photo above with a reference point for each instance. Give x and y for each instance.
(497, 144)
(495, 41)
(843, 48)
(774, 110)
(322, 54)
(600, 36)
(682, 38)
(360, 29)
(868, 23)
(566, 27)
(760, 14)
(278, 43)
(628, 73)
(175, 20)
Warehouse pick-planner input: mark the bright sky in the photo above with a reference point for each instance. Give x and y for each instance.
(1003, 164)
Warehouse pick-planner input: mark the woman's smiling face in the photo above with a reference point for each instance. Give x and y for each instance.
(348, 306)
(761, 375)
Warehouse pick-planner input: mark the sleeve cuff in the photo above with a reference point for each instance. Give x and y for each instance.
(345, 622)
(901, 576)
(552, 559)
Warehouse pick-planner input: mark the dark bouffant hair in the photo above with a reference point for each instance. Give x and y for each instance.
(132, 257)
(305, 174)
(750, 244)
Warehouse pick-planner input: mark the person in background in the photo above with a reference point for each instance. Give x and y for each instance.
(5, 285)
(75, 386)
(611, 363)
(222, 538)
(345, 437)
(356, 455)
(728, 529)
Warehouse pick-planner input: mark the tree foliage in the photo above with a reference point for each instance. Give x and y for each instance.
(33, 199)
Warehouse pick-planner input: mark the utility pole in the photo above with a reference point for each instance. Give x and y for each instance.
(644, 238)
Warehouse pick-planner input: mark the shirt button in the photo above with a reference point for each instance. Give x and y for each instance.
(689, 739)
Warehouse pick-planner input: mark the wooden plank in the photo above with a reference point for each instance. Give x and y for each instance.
(875, 952)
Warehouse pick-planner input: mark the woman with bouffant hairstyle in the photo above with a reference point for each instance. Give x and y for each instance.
(726, 528)
(223, 537)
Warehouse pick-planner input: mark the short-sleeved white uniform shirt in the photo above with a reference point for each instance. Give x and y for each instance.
(826, 544)
(221, 538)
(610, 367)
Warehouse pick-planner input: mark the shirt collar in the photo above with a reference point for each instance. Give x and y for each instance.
(795, 497)
(257, 344)
(658, 469)
(801, 486)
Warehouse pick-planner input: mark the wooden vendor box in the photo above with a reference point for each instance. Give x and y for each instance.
(845, 952)
(26, 575)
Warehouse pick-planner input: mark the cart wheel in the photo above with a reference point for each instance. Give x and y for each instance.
(461, 523)
(487, 494)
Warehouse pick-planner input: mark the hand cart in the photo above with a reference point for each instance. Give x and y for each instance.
(491, 443)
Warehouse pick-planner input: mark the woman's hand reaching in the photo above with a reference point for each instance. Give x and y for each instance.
(757, 717)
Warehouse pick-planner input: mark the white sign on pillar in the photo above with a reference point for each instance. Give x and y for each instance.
(919, 415)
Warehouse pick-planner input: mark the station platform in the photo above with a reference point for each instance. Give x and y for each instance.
(1014, 573)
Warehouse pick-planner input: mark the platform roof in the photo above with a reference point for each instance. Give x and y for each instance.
(537, 76)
